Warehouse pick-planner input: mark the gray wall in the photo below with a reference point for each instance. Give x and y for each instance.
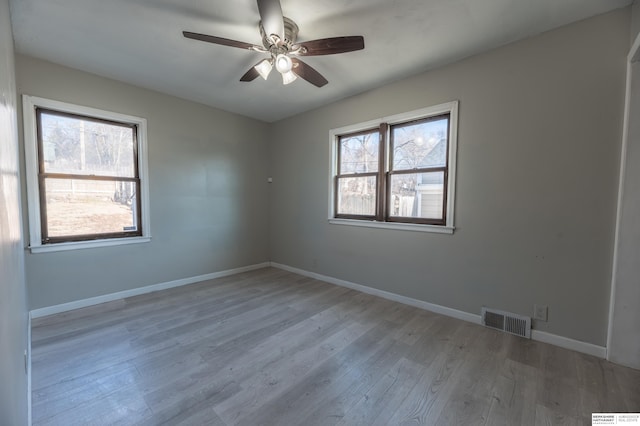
(13, 307)
(538, 153)
(208, 191)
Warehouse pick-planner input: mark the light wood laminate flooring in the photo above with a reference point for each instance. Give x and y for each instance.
(269, 347)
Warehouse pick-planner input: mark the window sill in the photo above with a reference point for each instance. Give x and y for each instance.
(79, 245)
(394, 225)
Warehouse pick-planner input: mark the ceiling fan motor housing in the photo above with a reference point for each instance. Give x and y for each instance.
(290, 34)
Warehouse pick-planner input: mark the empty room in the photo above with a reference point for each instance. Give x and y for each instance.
(351, 212)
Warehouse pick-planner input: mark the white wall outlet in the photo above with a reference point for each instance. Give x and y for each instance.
(540, 312)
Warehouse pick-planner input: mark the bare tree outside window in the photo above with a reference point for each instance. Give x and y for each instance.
(418, 169)
(357, 184)
(88, 177)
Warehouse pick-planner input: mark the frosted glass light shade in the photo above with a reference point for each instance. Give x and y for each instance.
(283, 63)
(264, 68)
(288, 77)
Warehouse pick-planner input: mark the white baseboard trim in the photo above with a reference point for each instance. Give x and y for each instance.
(77, 304)
(439, 309)
(568, 343)
(540, 336)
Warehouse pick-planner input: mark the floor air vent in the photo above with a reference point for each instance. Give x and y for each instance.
(506, 321)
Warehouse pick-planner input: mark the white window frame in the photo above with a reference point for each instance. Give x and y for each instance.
(29, 105)
(450, 108)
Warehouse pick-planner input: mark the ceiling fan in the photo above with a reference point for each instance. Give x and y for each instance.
(279, 35)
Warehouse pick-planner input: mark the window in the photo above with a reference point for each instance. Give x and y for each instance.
(396, 172)
(86, 176)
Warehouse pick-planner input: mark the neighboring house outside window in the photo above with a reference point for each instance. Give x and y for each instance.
(86, 176)
(396, 172)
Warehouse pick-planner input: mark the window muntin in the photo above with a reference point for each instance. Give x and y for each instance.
(86, 176)
(414, 185)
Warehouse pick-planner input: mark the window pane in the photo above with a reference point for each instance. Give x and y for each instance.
(420, 144)
(419, 195)
(357, 195)
(74, 145)
(359, 153)
(82, 207)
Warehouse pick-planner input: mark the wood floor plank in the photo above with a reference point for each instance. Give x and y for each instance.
(54, 400)
(114, 408)
(513, 395)
(269, 347)
(546, 416)
(438, 383)
(186, 406)
(234, 366)
(274, 377)
(470, 400)
(291, 367)
(331, 380)
(383, 395)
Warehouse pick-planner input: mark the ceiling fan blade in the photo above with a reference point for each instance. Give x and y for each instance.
(218, 40)
(306, 72)
(271, 16)
(252, 74)
(332, 45)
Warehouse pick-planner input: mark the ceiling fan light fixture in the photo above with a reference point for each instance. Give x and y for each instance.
(264, 68)
(288, 77)
(283, 64)
(279, 41)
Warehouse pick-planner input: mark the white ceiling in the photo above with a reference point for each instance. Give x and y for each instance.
(140, 42)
